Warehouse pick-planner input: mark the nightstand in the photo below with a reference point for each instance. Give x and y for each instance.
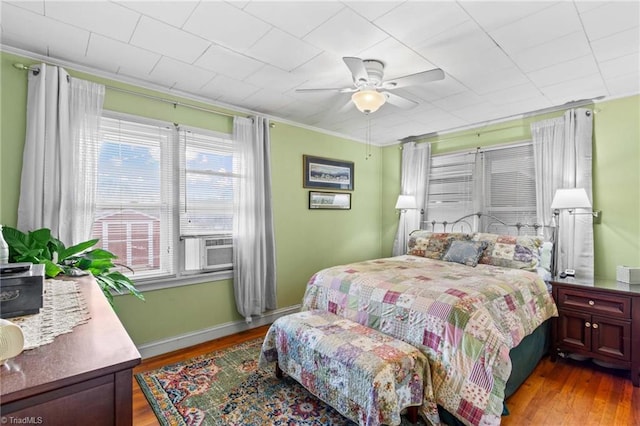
(598, 319)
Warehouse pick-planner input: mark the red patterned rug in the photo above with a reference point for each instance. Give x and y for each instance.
(226, 387)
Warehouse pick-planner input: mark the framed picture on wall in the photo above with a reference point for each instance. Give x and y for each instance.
(319, 200)
(327, 173)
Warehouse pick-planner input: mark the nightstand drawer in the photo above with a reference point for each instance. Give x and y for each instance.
(592, 302)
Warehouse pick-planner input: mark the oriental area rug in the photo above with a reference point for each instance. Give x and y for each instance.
(226, 387)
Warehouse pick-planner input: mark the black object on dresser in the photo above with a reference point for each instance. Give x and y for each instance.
(20, 290)
(598, 319)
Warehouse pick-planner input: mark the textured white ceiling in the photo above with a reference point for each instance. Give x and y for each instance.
(500, 58)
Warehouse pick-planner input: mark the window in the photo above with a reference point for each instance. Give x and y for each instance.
(207, 182)
(164, 199)
(499, 181)
(450, 187)
(509, 191)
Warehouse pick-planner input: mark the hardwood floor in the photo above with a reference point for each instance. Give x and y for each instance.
(564, 393)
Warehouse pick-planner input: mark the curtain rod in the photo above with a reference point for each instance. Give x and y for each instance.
(471, 127)
(169, 101)
(483, 149)
(36, 70)
(434, 134)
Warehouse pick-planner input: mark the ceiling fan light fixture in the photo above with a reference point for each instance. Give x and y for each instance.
(368, 101)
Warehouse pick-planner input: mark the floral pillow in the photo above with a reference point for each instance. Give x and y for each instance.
(433, 245)
(465, 252)
(508, 251)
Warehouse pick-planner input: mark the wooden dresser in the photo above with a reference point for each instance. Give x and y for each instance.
(82, 378)
(598, 319)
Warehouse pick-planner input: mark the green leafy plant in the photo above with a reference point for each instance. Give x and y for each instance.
(40, 246)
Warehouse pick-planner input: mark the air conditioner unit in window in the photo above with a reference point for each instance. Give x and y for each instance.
(209, 253)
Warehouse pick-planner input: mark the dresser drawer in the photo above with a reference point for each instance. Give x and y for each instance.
(596, 303)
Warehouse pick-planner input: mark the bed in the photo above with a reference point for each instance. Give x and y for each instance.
(475, 303)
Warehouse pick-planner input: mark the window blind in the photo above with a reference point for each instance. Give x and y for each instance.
(450, 188)
(133, 216)
(499, 182)
(207, 181)
(509, 190)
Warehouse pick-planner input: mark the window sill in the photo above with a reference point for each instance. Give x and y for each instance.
(159, 283)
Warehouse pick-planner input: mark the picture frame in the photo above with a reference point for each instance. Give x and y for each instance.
(327, 173)
(323, 200)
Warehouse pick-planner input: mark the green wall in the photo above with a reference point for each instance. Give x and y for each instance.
(307, 241)
(616, 175)
(616, 184)
(13, 102)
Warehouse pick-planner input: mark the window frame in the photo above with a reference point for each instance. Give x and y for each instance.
(497, 211)
(178, 277)
(478, 185)
(227, 147)
(458, 159)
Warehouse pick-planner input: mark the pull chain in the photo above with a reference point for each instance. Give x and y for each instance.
(368, 137)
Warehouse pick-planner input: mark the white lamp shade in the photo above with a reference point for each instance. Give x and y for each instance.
(571, 198)
(406, 202)
(368, 101)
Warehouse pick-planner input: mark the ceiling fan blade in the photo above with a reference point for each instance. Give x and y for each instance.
(331, 89)
(399, 101)
(414, 79)
(357, 68)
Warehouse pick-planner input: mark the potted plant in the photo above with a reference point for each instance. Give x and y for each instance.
(40, 246)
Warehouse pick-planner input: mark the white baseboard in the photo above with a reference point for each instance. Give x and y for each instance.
(182, 341)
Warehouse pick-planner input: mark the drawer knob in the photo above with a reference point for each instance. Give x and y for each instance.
(595, 325)
(591, 302)
(587, 324)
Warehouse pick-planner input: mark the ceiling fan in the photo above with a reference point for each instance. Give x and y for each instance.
(370, 91)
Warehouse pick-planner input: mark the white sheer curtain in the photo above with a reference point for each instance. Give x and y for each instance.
(548, 157)
(254, 264)
(562, 155)
(579, 134)
(416, 162)
(58, 171)
(86, 102)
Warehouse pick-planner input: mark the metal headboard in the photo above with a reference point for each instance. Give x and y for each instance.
(462, 224)
(459, 224)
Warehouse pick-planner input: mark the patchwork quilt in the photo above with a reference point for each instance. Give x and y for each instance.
(464, 319)
(365, 375)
